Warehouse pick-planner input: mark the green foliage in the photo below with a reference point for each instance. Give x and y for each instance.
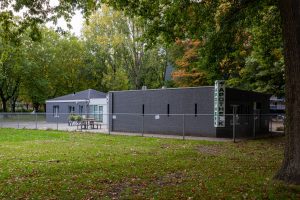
(110, 56)
(38, 12)
(39, 70)
(78, 118)
(263, 68)
(73, 117)
(240, 40)
(116, 40)
(115, 81)
(53, 67)
(11, 63)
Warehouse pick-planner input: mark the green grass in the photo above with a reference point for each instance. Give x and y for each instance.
(56, 165)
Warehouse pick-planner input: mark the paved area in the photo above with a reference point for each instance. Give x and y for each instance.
(276, 126)
(174, 136)
(43, 125)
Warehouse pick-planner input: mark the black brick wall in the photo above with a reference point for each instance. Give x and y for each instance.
(181, 101)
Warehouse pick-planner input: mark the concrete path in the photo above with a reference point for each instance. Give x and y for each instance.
(42, 125)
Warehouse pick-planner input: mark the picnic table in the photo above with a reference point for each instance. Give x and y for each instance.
(89, 122)
(84, 124)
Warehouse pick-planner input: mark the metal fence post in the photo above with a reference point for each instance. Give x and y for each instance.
(143, 125)
(36, 120)
(254, 125)
(18, 120)
(271, 126)
(183, 127)
(233, 128)
(234, 109)
(284, 127)
(109, 123)
(1, 114)
(57, 123)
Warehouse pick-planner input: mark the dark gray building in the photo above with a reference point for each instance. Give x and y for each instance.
(88, 102)
(160, 111)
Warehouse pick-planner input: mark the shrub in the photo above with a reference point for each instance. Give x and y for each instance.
(72, 117)
(78, 118)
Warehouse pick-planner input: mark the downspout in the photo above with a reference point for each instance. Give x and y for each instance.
(88, 104)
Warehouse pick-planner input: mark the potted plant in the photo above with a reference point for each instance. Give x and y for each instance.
(72, 118)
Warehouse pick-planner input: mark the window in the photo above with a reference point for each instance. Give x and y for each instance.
(71, 109)
(196, 110)
(168, 110)
(100, 119)
(96, 112)
(80, 110)
(55, 111)
(143, 111)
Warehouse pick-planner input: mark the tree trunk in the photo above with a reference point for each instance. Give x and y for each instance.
(36, 107)
(290, 12)
(44, 105)
(13, 105)
(4, 105)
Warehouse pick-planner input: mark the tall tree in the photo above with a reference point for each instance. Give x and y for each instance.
(11, 62)
(41, 73)
(117, 40)
(187, 73)
(261, 53)
(49, 74)
(10, 74)
(104, 36)
(290, 11)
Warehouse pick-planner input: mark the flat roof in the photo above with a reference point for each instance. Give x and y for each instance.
(180, 88)
(183, 88)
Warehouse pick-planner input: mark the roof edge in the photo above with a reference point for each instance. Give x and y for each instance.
(180, 88)
(67, 101)
(261, 93)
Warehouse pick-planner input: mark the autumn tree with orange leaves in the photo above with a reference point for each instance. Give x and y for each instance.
(187, 74)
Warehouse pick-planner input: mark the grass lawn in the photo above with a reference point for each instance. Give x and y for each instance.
(56, 165)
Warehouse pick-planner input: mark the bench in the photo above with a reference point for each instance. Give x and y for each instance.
(96, 125)
(82, 124)
(72, 123)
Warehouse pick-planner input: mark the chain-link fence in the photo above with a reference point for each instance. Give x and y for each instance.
(53, 121)
(179, 125)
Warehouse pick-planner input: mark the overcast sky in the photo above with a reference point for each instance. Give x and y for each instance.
(77, 21)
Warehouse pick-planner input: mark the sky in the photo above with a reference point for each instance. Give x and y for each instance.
(76, 22)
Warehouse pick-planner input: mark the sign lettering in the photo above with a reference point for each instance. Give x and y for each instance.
(219, 104)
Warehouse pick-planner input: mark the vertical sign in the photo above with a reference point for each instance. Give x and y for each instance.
(219, 104)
